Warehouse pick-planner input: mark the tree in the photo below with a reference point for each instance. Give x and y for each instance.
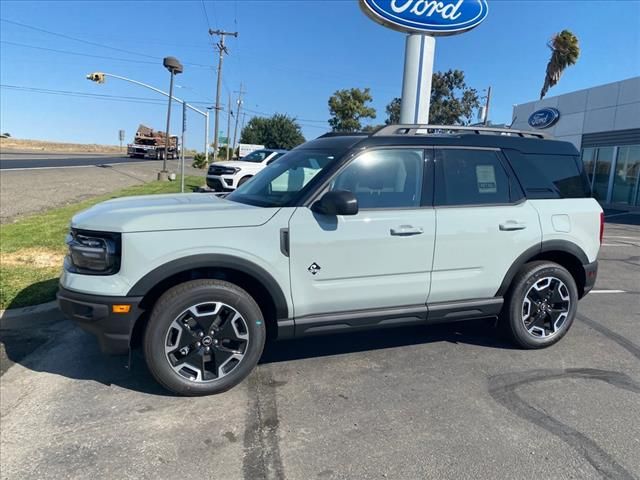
(565, 50)
(452, 101)
(278, 131)
(393, 112)
(348, 107)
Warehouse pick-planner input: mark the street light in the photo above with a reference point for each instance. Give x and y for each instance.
(175, 67)
(100, 77)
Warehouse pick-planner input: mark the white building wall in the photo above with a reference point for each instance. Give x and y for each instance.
(614, 106)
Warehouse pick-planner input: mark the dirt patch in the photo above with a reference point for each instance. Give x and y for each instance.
(46, 146)
(32, 257)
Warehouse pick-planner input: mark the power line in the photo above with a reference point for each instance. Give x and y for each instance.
(69, 52)
(206, 15)
(62, 35)
(130, 99)
(38, 29)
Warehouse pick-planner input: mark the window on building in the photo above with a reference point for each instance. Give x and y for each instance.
(602, 173)
(384, 178)
(626, 176)
(470, 177)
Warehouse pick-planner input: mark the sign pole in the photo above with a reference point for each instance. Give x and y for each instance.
(416, 82)
(184, 127)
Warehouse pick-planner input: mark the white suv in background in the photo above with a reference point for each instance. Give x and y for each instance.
(223, 176)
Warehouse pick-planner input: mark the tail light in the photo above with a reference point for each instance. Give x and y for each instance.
(601, 226)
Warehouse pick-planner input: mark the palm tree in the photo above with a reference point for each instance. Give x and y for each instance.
(565, 51)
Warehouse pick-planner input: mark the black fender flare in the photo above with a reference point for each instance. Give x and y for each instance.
(213, 260)
(546, 246)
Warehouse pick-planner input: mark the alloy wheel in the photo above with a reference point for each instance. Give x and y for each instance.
(206, 341)
(545, 307)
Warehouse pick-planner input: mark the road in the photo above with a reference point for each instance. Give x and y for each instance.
(450, 401)
(13, 160)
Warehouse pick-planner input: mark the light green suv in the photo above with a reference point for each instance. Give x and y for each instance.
(409, 225)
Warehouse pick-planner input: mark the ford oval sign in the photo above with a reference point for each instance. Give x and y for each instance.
(544, 118)
(429, 17)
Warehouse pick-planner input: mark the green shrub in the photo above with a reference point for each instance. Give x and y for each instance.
(199, 161)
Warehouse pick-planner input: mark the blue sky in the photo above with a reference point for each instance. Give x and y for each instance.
(290, 55)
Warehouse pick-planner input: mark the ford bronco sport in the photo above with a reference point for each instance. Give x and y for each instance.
(409, 225)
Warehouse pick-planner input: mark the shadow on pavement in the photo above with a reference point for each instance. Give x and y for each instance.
(67, 351)
(472, 332)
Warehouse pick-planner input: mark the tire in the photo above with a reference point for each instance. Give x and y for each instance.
(177, 336)
(244, 179)
(540, 306)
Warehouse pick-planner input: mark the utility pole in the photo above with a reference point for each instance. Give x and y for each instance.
(235, 131)
(228, 126)
(486, 106)
(221, 50)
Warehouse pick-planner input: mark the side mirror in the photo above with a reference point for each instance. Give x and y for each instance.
(337, 202)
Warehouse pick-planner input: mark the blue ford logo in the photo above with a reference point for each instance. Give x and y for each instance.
(430, 17)
(544, 118)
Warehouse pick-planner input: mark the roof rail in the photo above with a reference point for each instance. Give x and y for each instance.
(418, 129)
(344, 134)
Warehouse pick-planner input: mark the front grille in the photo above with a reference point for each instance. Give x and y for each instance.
(219, 170)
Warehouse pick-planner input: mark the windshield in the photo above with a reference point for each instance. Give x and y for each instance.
(256, 157)
(284, 180)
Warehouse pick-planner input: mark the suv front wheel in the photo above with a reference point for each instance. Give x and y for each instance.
(541, 305)
(204, 337)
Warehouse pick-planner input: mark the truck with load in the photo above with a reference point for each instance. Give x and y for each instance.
(150, 143)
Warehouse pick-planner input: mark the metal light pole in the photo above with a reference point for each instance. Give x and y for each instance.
(175, 67)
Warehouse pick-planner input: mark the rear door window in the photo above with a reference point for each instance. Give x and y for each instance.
(470, 177)
(550, 176)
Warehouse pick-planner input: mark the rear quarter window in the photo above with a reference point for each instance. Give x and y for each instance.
(550, 175)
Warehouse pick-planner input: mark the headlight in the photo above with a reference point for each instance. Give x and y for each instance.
(93, 253)
(236, 169)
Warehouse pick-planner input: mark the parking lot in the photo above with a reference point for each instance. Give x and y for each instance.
(448, 401)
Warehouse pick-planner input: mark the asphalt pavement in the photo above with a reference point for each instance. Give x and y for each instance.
(20, 160)
(450, 401)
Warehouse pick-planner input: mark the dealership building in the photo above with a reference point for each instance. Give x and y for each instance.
(603, 122)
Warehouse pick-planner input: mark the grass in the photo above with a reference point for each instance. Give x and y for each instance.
(30, 248)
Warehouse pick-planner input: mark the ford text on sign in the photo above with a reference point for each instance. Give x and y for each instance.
(430, 17)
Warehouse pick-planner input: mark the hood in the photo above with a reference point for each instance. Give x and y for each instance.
(240, 164)
(169, 212)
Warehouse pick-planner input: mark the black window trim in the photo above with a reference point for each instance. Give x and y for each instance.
(511, 177)
(353, 155)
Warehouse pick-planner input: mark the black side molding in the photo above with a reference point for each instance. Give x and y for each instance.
(546, 246)
(465, 309)
(441, 312)
(153, 278)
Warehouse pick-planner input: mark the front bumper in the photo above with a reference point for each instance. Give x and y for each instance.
(94, 313)
(220, 183)
(590, 275)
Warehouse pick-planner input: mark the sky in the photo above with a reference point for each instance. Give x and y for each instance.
(290, 56)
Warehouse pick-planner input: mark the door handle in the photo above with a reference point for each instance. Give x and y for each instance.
(511, 225)
(406, 231)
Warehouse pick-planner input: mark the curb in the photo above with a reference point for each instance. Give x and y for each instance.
(14, 313)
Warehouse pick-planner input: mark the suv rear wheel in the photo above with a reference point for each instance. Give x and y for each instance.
(204, 337)
(541, 305)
